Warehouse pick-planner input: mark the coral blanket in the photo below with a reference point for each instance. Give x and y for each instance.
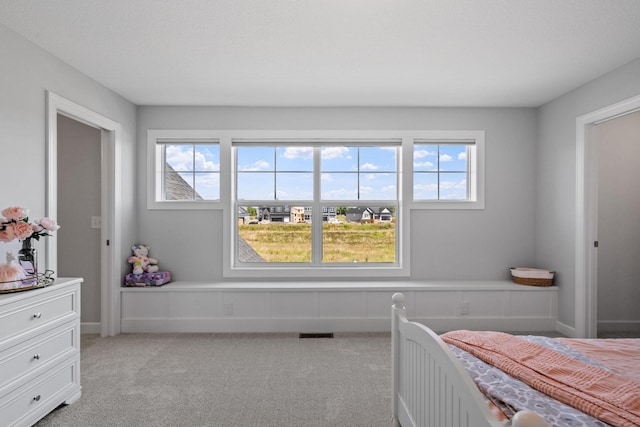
(607, 396)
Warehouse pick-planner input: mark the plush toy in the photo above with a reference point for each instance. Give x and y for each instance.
(141, 262)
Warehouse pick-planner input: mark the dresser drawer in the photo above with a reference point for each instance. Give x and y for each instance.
(42, 394)
(19, 361)
(37, 312)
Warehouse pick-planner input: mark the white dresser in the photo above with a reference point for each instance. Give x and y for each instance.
(39, 351)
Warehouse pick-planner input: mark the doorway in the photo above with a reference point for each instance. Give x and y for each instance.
(618, 226)
(586, 215)
(80, 212)
(110, 202)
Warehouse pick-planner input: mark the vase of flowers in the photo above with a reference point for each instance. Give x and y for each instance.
(15, 225)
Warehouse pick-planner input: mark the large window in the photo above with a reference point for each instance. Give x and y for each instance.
(316, 203)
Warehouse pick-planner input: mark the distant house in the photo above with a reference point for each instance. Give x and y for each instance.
(243, 215)
(329, 214)
(354, 214)
(375, 214)
(298, 215)
(275, 214)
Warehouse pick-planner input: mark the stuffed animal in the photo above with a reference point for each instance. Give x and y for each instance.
(141, 262)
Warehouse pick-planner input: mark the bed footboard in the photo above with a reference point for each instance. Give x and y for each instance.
(431, 388)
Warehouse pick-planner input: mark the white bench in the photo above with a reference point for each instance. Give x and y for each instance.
(336, 306)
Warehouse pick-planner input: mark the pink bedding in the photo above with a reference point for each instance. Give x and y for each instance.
(613, 398)
(621, 355)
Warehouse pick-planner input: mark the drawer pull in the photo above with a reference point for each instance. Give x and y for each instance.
(37, 315)
(36, 398)
(36, 356)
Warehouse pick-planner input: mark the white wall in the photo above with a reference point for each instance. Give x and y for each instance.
(618, 143)
(477, 244)
(556, 174)
(27, 73)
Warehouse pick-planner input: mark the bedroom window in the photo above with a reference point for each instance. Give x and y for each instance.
(316, 203)
(447, 172)
(187, 169)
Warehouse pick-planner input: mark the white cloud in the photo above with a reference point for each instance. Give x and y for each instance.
(369, 167)
(419, 154)
(448, 185)
(181, 158)
(462, 155)
(259, 165)
(329, 153)
(445, 158)
(298, 153)
(426, 164)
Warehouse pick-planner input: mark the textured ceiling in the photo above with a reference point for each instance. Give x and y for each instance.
(334, 52)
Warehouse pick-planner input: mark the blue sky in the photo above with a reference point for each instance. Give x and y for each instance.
(348, 173)
(286, 173)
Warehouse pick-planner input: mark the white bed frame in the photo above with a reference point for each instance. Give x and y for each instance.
(431, 388)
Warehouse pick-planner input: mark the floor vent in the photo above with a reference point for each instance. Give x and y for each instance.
(325, 335)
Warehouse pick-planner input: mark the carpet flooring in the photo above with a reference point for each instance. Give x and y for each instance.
(231, 380)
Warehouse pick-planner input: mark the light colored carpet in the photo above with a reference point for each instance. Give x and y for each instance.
(231, 380)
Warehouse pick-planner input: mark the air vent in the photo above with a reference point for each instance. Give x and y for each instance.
(322, 335)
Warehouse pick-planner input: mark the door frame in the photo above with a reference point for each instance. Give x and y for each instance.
(110, 179)
(586, 277)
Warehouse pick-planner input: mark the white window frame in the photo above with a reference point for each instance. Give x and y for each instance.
(405, 191)
(156, 140)
(475, 168)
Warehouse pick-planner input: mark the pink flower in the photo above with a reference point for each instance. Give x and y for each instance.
(15, 213)
(48, 224)
(22, 230)
(7, 235)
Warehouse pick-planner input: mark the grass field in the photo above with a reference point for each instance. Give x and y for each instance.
(287, 242)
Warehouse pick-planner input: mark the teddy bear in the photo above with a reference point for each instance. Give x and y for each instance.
(141, 262)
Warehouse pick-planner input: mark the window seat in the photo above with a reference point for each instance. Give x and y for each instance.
(336, 306)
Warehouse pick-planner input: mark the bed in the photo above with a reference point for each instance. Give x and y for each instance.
(438, 383)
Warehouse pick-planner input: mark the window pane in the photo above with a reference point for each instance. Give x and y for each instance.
(207, 157)
(425, 186)
(207, 185)
(339, 159)
(294, 186)
(453, 158)
(294, 159)
(255, 159)
(359, 235)
(378, 186)
(274, 234)
(453, 186)
(380, 159)
(339, 186)
(178, 186)
(255, 186)
(179, 157)
(425, 158)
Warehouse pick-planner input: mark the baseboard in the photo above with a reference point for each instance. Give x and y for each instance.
(566, 330)
(90, 327)
(618, 325)
(315, 325)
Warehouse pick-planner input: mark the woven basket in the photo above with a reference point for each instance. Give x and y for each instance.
(545, 277)
(532, 282)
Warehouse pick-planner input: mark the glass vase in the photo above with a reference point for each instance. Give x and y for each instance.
(28, 258)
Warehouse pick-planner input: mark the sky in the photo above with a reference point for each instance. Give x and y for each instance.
(347, 172)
